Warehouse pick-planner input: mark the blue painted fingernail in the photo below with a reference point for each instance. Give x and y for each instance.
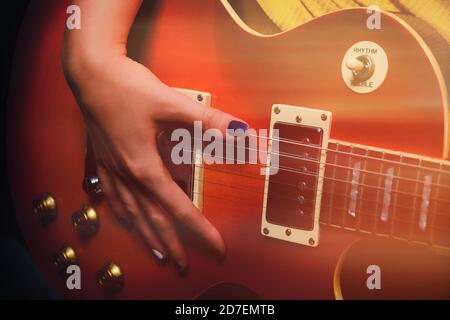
(237, 128)
(236, 125)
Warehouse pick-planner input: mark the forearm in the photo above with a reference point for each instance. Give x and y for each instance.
(105, 25)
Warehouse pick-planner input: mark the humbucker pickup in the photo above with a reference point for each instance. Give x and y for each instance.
(292, 195)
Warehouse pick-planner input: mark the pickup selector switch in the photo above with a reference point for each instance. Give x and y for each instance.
(364, 67)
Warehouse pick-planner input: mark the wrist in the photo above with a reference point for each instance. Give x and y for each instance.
(81, 58)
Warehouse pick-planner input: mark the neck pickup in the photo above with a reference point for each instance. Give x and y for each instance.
(292, 193)
(349, 186)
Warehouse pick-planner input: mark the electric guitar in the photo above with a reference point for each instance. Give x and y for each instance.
(342, 207)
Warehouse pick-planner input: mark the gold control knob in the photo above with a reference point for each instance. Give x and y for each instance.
(45, 208)
(111, 278)
(65, 257)
(85, 221)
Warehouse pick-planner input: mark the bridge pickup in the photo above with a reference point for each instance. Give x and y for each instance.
(294, 178)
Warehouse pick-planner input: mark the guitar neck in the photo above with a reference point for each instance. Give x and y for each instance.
(387, 193)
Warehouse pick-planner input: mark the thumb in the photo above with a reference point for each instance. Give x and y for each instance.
(186, 110)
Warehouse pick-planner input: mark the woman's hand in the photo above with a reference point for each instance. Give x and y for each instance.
(124, 106)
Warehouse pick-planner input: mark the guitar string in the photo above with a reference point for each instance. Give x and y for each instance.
(234, 201)
(326, 164)
(293, 142)
(308, 173)
(350, 182)
(431, 228)
(244, 188)
(290, 141)
(293, 156)
(329, 179)
(434, 211)
(341, 195)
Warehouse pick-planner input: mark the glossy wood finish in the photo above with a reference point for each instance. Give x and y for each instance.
(197, 45)
(407, 272)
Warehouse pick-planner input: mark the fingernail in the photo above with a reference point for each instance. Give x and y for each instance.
(182, 269)
(237, 127)
(222, 255)
(158, 254)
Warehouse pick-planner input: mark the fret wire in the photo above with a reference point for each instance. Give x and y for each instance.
(377, 202)
(415, 203)
(394, 211)
(433, 222)
(344, 181)
(368, 186)
(329, 193)
(349, 173)
(396, 237)
(319, 162)
(327, 178)
(332, 186)
(240, 203)
(360, 192)
(351, 168)
(369, 214)
(327, 149)
(379, 184)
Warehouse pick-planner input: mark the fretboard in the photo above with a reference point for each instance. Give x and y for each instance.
(386, 193)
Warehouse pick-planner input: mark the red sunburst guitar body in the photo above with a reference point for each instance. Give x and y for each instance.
(202, 45)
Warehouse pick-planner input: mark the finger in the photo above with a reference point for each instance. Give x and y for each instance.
(129, 204)
(163, 226)
(165, 229)
(112, 198)
(176, 202)
(182, 108)
(150, 238)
